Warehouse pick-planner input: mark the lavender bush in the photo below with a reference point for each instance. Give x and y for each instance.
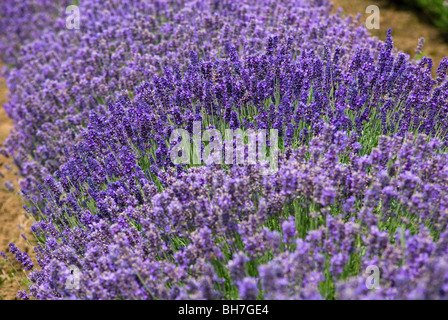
(326, 215)
(362, 178)
(67, 73)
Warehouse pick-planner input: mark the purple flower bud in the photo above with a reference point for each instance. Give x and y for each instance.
(289, 230)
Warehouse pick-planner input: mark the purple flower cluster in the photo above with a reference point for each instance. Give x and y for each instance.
(362, 179)
(21, 257)
(301, 233)
(23, 21)
(65, 74)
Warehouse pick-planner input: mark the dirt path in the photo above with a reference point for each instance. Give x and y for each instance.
(12, 219)
(407, 28)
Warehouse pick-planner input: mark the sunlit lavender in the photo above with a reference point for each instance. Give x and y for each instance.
(362, 177)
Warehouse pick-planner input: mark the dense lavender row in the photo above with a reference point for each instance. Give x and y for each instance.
(118, 178)
(363, 169)
(326, 215)
(67, 73)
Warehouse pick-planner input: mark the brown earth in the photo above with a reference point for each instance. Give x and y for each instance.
(12, 220)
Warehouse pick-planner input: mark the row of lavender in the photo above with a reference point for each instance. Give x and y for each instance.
(64, 75)
(362, 178)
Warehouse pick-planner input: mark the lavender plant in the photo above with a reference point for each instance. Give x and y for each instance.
(362, 178)
(24, 21)
(67, 73)
(307, 232)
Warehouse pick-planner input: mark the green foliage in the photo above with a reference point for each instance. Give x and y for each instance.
(436, 11)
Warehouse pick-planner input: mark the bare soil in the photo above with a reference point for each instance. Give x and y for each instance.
(12, 219)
